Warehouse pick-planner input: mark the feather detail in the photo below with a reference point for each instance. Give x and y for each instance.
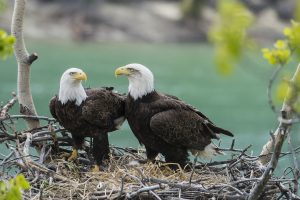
(208, 152)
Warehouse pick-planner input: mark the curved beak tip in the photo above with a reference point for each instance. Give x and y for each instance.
(118, 72)
(81, 76)
(84, 77)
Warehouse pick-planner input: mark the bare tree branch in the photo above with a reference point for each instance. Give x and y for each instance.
(270, 84)
(10, 104)
(24, 62)
(259, 187)
(296, 171)
(277, 140)
(265, 155)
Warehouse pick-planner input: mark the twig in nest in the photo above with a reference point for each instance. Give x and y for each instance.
(257, 190)
(145, 189)
(296, 172)
(193, 169)
(9, 105)
(30, 117)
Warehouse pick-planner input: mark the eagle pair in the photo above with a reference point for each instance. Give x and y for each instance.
(162, 123)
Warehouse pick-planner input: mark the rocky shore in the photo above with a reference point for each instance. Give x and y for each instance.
(154, 21)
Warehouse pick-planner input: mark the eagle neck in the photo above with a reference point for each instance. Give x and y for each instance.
(140, 86)
(152, 96)
(71, 92)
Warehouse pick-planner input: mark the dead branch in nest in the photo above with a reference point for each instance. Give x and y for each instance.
(10, 104)
(276, 141)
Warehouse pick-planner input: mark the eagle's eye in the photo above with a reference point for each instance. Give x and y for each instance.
(72, 73)
(131, 70)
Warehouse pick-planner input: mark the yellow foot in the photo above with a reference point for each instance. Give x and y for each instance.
(64, 155)
(73, 156)
(150, 161)
(95, 168)
(146, 161)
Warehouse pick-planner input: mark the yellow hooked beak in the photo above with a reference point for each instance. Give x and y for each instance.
(80, 76)
(122, 71)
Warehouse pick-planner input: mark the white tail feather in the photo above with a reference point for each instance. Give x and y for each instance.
(208, 152)
(118, 122)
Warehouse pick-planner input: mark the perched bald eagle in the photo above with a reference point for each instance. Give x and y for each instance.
(164, 123)
(87, 113)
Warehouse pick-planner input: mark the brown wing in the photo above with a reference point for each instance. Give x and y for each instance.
(68, 115)
(102, 107)
(52, 106)
(181, 124)
(182, 128)
(190, 107)
(183, 105)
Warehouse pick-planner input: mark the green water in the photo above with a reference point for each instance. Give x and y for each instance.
(237, 102)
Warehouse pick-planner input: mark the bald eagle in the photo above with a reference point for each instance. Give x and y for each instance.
(87, 113)
(164, 123)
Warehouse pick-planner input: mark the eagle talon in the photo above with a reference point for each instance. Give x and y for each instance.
(74, 155)
(151, 161)
(143, 161)
(95, 168)
(65, 155)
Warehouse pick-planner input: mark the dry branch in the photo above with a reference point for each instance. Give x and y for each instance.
(296, 172)
(274, 145)
(24, 62)
(10, 104)
(287, 109)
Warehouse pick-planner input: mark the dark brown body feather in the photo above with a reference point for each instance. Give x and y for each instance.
(95, 117)
(167, 125)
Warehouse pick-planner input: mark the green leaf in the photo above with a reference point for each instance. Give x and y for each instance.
(2, 186)
(10, 40)
(14, 194)
(280, 54)
(293, 36)
(22, 182)
(229, 34)
(3, 34)
(2, 190)
(6, 44)
(282, 91)
(11, 190)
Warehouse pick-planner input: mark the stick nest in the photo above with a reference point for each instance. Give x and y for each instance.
(126, 174)
(123, 176)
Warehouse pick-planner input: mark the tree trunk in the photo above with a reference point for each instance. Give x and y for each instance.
(24, 62)
(270, 153)
(266, 153)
